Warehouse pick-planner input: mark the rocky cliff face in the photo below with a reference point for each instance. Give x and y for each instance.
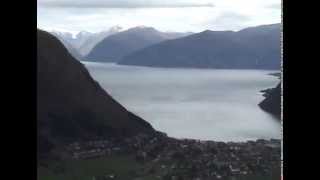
(272, 102)
(71, 105)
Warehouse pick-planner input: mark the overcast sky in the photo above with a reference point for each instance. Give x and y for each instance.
(165, 15)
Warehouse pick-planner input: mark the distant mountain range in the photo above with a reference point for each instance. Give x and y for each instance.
(96, 38)
(115, 47)
(250, 48)
(272, 102)
(71, 105)
(84, 41)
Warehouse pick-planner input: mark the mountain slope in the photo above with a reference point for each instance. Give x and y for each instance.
(63, 37)
(251, 48)
(95, 38)
(84, 41)
(116, 46)
(71, 105)
(75, 40)
(272, 102)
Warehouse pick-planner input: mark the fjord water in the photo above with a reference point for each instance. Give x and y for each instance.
(204, 104)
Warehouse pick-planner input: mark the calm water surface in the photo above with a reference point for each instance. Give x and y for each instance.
(202, 104)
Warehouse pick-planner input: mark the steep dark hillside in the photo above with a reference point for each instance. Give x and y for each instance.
(71, 105)
(72, 50)
(272, 102)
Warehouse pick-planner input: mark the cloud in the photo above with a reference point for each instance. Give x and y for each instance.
(94, 20)
(228, 20)
(165, 15)
(227, 16)
(275, 6)
(123, 3)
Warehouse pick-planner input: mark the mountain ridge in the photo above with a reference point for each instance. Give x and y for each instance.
(84, 41)
(118, 45)
(215, 49)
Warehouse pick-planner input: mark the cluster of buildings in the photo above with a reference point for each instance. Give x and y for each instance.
(169, 158)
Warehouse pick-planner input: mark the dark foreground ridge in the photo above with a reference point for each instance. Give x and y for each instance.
(272, 102)
(71, 105)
